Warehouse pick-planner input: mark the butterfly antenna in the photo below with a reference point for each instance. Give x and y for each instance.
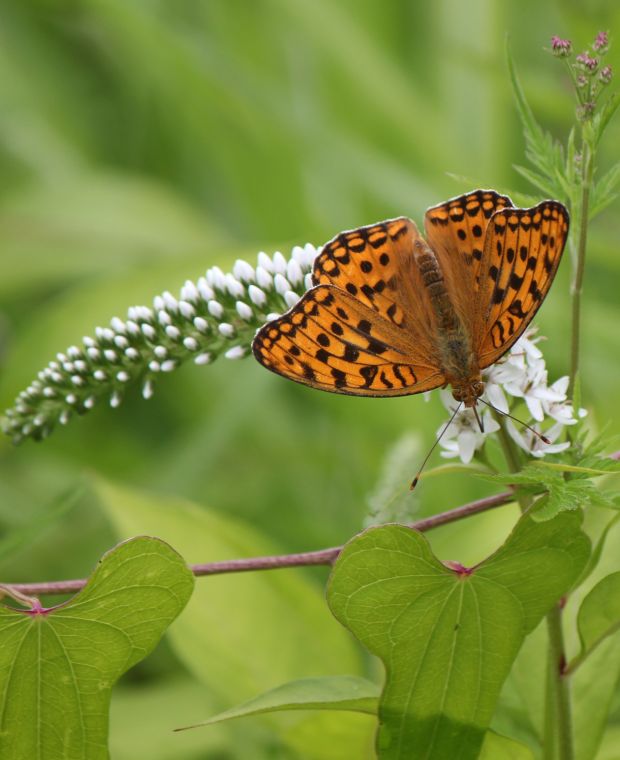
(478, 420)
(542, 437)
(414, 482)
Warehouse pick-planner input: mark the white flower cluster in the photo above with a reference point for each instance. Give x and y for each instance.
(217, 315)
(522, 374)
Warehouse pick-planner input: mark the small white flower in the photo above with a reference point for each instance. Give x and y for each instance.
(110, 355)
(294, 272)
(463, 437)
(204, 358)
(531, 443)
(160, 352)
(234, 287)
(169, 365)
(173, 332)
(148, 389)
(163, 317)
(148, 331)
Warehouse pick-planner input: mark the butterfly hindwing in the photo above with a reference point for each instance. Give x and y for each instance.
(332, 341)
(522, 251)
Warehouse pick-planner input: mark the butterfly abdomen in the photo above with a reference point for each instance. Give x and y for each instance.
(453, 342)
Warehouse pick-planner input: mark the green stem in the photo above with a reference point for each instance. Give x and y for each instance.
(577, 287)
(558, 729)
(558, 717)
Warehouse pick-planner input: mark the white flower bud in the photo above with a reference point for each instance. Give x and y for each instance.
(236, 352)
(121, 341)
(100, 375)
(164, 318)
(168, 365)
(201, 324)
(148, 331)
(160, 352)
(186, 309)
(205, 290)
(227, 330)
(173, 332)
(244, 311)
(132, 353)
(89, 402)
(279, 263)
(265, 262)
(115, 400)
(263, 278)
(189, 291)
(294, 273)
(123, 377)
(308, 281)
(110, 355)
(291, 298)
(243, 271)
(215, 309)
(154, 366)
(191, 344)
(234, 287)
(171, 302)
(257, 296)
(281, 284)
(216, 278)
(203, 358)
(117, 324)
(93, 353)
(147, 389)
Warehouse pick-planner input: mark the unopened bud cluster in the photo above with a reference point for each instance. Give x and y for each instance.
(216, 316)
(589, 74)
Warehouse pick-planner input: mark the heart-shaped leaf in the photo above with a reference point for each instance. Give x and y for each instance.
(58, 665)
(448, 637)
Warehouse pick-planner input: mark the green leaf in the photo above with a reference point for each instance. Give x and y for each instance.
(59, 664)
(599, 614)
(605, 115)
(241, 632)
(329, 693)
(447, 639)
(603, 191)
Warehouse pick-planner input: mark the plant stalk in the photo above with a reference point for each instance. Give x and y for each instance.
(558, 716)
(577, 286)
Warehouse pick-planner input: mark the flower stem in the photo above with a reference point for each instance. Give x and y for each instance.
(577, 286)
(558, 730)
(558, 717)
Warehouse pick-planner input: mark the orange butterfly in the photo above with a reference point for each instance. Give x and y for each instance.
(392, 314)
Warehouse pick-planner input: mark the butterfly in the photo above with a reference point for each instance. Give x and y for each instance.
(391, 313)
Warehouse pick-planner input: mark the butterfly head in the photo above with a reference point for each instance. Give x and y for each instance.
(468, 393)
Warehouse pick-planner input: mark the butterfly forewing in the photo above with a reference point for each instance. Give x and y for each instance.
(522, 251)
(330, 340)
(456, 230)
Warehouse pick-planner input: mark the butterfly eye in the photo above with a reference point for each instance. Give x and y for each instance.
(457, 394)
(478, 389)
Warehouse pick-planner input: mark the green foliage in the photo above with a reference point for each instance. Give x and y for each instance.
(60, 664)
(599, 615)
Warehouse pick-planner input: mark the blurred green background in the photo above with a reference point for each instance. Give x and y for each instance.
(143, 141)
